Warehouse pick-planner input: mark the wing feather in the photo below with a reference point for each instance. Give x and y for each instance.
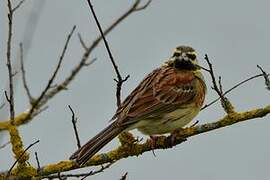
(162, 91)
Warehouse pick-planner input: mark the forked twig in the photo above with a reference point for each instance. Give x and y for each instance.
(224, 101)
(18, 5)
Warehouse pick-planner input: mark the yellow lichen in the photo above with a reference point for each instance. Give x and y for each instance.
(18, 120)
(59, 167)
(17, 145)
(26, 171)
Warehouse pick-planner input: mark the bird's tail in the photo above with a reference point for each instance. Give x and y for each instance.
(83, 154)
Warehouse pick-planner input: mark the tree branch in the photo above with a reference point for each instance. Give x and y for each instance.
(135, 148)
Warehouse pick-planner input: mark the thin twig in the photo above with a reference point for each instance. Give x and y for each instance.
(90, 62)
(83, 175)
(18, 5)
(9, 66)
(119, 80)
(2, 105)
(124, 177)
(82, 42)
(224, 101)
(4, 145)
(102, 168)
(36, 103)
(6, 95)
(38, 164)
(214, 82)
(24, 76)
(105, 41)
(266, 77)
(74, 122)
(59, 176)
(13, 165)
(232, 88)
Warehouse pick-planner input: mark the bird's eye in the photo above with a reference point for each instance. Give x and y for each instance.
(191, 56)
(176, 54)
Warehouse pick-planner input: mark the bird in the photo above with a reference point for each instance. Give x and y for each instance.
(167, 99)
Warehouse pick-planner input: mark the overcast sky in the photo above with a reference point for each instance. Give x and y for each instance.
(234, 34)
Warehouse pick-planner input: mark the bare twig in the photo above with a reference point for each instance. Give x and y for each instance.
(13, 165)
(143, 6)
(124, 177)
(102, 168)
(59, 176)
(82, 42)
(232, 88)
(24, 76)
(6, 95)
(90, 62)
(119, 80)
(74, 122)
(18, 5)
(224, 101)
(266, 77)
(214, 82)
(9, 66)
(83, 175)
(38, 163)
(36, 103)
(2, 105)
(4, 145)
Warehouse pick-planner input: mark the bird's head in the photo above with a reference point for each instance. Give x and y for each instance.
(184, 58)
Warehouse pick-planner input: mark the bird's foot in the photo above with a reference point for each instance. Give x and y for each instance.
(153, 143)
(174, 138)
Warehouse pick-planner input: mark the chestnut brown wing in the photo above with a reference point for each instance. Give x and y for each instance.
(162, 91)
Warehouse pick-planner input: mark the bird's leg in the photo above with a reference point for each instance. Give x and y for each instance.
(153, 143)
(174, 137)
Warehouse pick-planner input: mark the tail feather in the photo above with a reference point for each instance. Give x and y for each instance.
(83, 154)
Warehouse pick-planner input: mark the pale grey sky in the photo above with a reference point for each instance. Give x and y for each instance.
(235, 35)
